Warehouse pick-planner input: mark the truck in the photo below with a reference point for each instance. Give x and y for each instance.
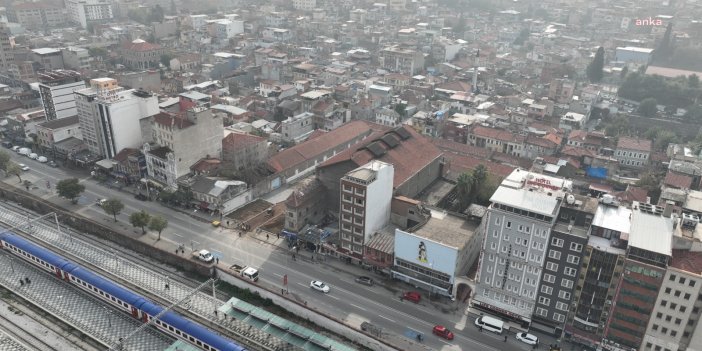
(203, 255)
(246, 272)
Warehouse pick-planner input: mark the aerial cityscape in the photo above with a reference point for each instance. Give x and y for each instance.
(308, 175)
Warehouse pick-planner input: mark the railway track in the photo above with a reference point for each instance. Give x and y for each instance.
(26, 338)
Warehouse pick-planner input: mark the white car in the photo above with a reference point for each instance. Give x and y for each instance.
(528, 338)
(23, 167)
(319, 286)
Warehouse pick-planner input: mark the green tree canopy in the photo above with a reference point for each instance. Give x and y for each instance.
(70, 189)
(693, 81)
(651, 183)
(594, 70)
(113, 207)
(14, 169)
(4, 160)
(140, 220)
(648, 108)
(158, 224)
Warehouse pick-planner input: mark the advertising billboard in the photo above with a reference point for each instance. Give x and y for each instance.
(424, 252)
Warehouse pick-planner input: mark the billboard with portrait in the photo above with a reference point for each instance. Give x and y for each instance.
(424, 252)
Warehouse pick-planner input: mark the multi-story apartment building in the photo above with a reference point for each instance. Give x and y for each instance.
(401, 60)
(497, 140)
(633, 153)
(38, 15)
(569, 236)
(56, 90)
(7, 58)
(51, 132)
(366, 193)
(84, 11)
(600, 273)
(112, 118)
(48, 58)
(304, 5)
(561, 90)
(649, 250)
(674, 323)
(520, 218)
(297, 128)
(244, 151)
(226, 29)
(75, 58)
(180, 141)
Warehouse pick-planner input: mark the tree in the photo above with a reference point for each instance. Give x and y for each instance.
(665, 48)
(594, 69)
(651, 183)
(140, 219)
(464, 186)
(14, 169)
(70, 189)
(113, 207)
(166, 60)
(624, 71)
(648, 108)
(693, 81)
(4, 160)
(158, 224)
(400, 109)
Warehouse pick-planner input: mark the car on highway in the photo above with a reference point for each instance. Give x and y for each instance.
(100, 202)
(23, 167)
(319, 286)
(216, 223)
(141, 197)
(33, 155)
(412, 296)
(528, 338)
(42, 159)
(440, 330)
(364, 280)
(53, 164)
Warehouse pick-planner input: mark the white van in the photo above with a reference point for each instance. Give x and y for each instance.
(488, 323)
(42, 159)
(33, 156)
(25, 151)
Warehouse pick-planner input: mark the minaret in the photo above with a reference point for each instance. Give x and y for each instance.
(475, 72)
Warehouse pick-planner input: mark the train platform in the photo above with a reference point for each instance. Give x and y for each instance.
(7, 343)
(74, 307)
(200, 304)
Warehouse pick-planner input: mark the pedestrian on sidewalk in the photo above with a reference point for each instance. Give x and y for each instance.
(277, 235)
(217, 259)
(26, 280)
(505, 338)
(267, 237)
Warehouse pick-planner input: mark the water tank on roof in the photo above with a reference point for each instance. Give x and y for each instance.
(607, 199)
(570, 199)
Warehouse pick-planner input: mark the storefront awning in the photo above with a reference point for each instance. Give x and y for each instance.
(105, 164)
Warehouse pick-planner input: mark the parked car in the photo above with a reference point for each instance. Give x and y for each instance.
(528, 338)
(23, 167)
(141, 197)
(7, 144)
(216, 223)
(53, 164)
(100, 202)
(42, 159)
(412, 296)
(443, 332)
(319, 286)
(15, 148)
(364, 280)
(33, 156)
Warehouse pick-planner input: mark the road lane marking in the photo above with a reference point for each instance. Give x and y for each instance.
(359, 307)
(276, 274)
(381, 316)
(333, 297)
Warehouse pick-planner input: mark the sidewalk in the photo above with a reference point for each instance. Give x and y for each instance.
(396, 287)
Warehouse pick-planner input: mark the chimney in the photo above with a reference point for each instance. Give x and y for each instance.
(668, 210)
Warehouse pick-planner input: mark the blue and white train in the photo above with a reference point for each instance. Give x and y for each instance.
(123, 299)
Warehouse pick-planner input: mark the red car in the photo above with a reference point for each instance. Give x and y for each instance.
(441, 331)
(412, 296)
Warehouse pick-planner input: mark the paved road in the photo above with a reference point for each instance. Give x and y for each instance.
(347, 300)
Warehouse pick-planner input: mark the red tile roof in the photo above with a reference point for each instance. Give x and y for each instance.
(312, 148)
(576, 151)
(689, 261)
(497, 134)
(460, 148)
(166, 119)
(679, 181)
(634, 144)
(633, 193)
(408, 157)
(205, 164)
(316, 133)
(543, 142)
(139, 45)
(240, 140)
(124, 154)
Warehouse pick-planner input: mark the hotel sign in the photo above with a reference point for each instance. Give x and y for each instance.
(544, 183)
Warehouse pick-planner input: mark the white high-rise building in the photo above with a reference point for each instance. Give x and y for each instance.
(56, 89)
(111, 118)
(84, 11)
(519, 221)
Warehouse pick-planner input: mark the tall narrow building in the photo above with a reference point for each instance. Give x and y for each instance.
(56, 89)
(7, 58)
(520, 218)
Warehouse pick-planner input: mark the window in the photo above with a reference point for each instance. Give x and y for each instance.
(677, 293)
(556, 255)
(559, 317)
(541, 311)
(686, 296)
(562, 306)
(573, 259)
(546, 289)
(664, 303)
(567, 283)
(570, 271)
(659, 315)
(509, 224)
(672, 277)
(691, 283)
(544, 301)
(681, 280)
(495, 233)
(576, 247)
(667, 290)
(673, 333)
(551, 266)
(497, 221)
(557, 242)
(564, 295)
